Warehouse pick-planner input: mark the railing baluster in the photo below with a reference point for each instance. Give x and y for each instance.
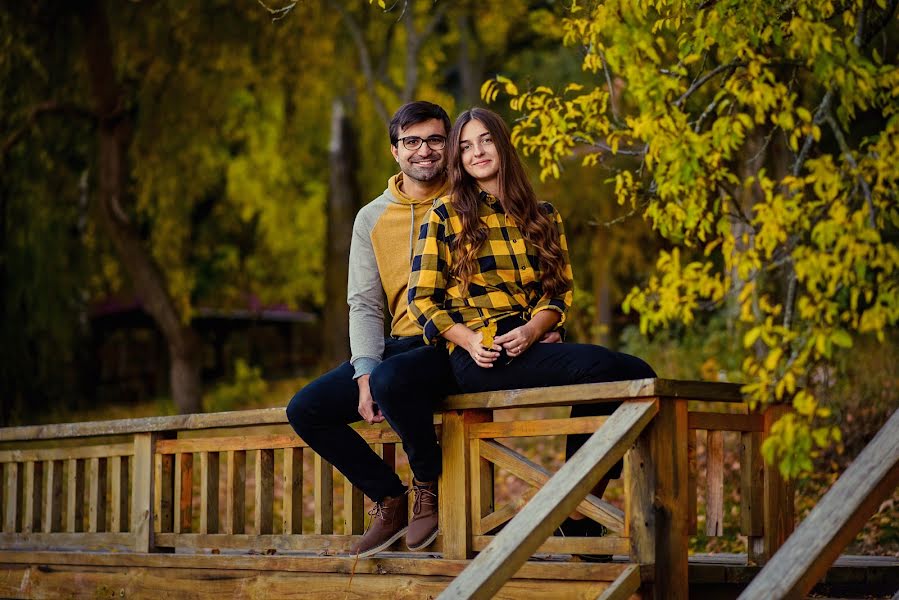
(118, 520)
(292, 515)
(353, 522)
(96, 520)
(265, 483)
(714, 512)
(165, 493)
(235, 494)
(75, 493)
(53, 498)
(12, 519)
(324, 496)
(184, 478)
(752, 488)
(209, 492)
(692, 478)
(34, 476)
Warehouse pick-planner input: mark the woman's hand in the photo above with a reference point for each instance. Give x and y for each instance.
(519, 339)
(482, 356)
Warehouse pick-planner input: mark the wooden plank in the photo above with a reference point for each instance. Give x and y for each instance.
(778, 496)
(533, 474)
(209, 492)
(523, 535)
(142, 492)
(165, 493)
(639, 495)
(711, 421)
(59, 541)
(353, 509)
(834, 521)
(455, 483)
(714, 511)
(388, 453)
(33, 490)
(752, 489)
(323, 492)
(82, 452)
(506, 512)
(481, 478)
(13, 484)
(118, 475)
(372, 435)
(292, 512)
(75, 496)
(264, 491)
(96, 518)
(628, 583)
(184, 499)
(692, 480)
(235, 492)
(567, 545)
(668, 447)
(52, 520)
(204, 565)
(536, 427)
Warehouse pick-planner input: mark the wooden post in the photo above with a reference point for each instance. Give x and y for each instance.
(324, 496)
(752, 489)
(265, 485)
(142, 492)
(292, 512)
(778, 496)
(714, 513)
(639, 493)
(96, 518)
(455, 491)
(209, 492)
(664, 497)
(75, 493)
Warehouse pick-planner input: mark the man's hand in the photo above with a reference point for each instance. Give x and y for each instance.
(367, 407)
(551, 337)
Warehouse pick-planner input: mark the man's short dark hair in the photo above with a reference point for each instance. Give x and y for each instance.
(414, 113)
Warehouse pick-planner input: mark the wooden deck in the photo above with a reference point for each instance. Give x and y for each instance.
(212, 506)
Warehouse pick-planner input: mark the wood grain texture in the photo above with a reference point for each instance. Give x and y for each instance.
(752, 490)
(142, 492)
(532, 473)
(627, 584)
(75, 495)
(184, 478)
(81, 452)
(292, 498)
(714, 511)
(263, 508)
(96, 503)
(163, 498)
(209, 492)
(692, 480)
(536, 427)
(833, 523)
(712, 421)
(778, 496)
(235, 491)
(118, 485)
(52, 520)
(13, 479)
(534, 524)
(323, 492)
(33, 496)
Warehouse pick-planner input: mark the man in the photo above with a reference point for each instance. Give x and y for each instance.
(398, 379)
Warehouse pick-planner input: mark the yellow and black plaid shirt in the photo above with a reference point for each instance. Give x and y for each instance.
(506, 281)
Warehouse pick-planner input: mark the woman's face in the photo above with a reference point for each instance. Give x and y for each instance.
(479, 156)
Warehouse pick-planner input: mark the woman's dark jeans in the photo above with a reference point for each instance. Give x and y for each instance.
(406, 387)
(545, 365)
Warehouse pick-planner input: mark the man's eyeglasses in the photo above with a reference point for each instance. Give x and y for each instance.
(413, 142)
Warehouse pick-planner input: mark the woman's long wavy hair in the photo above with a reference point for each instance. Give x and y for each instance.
(518, 201)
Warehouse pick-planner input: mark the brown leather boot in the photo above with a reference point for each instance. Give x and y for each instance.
(390, 520)
(423, 526)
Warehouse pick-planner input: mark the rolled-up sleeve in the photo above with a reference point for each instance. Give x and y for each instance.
(429, 276)
(560, 303)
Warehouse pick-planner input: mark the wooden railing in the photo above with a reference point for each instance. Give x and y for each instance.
(221, 482)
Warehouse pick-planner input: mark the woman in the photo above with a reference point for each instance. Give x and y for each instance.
(492, 276)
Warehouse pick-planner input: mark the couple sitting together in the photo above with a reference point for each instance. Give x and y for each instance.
(477, 279)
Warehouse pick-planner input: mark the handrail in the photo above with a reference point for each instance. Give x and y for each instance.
(834, 522)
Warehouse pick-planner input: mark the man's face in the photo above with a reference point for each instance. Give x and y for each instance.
(423, 164)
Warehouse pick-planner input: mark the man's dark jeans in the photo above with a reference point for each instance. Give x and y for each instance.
(406, 386)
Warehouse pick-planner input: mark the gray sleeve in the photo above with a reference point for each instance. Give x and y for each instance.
(365, 295)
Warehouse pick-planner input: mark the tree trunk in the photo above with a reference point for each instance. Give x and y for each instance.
(343, 201)
(115, 134)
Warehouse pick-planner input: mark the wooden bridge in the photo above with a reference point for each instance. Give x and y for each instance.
(171, 506)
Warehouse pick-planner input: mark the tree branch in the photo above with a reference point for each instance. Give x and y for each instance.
(613, 100)
(364, 59)
(847, 152)
(705, 78)
(820, 113)
(49, 107)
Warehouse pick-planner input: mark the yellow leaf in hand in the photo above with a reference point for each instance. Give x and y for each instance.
(488, 332)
